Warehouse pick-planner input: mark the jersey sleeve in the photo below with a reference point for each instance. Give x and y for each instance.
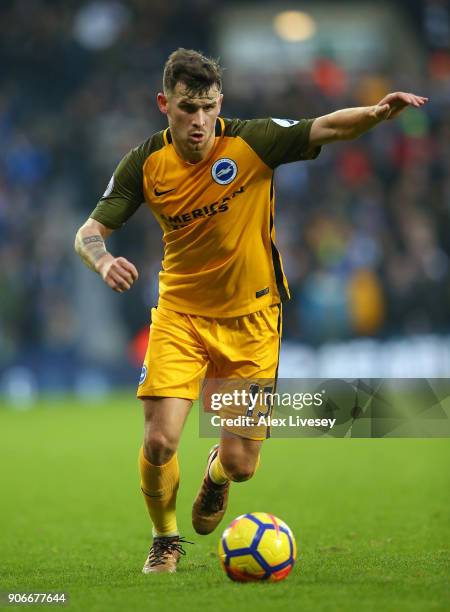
(124, 193)
(278, 141)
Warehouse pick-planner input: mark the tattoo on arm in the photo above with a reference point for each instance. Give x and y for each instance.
(91, 249)
(98, 254)
(90, 239)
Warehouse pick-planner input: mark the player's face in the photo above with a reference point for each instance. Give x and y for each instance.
(192, 119)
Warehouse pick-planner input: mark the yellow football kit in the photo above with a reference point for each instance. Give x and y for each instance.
(220, 261)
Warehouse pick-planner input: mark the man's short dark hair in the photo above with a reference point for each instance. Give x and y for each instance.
(197, 72)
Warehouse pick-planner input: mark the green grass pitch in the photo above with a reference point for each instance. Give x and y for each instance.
(371, 517)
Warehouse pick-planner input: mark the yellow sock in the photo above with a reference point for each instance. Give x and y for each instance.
(217, 472)
(159, 484)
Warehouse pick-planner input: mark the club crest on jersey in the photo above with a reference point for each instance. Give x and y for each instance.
(224, 170)
(143, 375)
(285, 122)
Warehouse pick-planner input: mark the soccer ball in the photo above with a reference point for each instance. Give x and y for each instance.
(257, 546)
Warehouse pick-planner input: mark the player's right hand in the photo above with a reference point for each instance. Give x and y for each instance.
(117, 272)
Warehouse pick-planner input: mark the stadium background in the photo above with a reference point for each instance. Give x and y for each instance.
(364, 231)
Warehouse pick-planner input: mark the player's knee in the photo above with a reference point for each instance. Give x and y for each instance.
(238, 472)
(241, 475)
(159, 448)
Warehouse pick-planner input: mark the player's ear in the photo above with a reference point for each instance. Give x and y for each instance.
(219, 103)
(161, 100)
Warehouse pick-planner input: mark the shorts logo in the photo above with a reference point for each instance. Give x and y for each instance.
(224, 171)
(262, 292)
(285, 122)
(143, 375)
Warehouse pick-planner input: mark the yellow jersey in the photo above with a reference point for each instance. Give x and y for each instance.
(217, 215)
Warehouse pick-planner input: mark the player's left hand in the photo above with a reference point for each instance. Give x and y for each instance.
(394, 103)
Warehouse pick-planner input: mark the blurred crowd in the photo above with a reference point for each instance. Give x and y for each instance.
(364, 230)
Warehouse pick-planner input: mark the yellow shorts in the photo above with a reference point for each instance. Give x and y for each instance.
(184, 349)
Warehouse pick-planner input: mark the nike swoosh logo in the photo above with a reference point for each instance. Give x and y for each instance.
(160, 193)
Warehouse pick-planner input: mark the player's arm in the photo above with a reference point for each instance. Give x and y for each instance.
(122, 198)
(349, 123)
(117, 272)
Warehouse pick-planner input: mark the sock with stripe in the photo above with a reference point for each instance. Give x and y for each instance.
(159, 484)
(217, 472)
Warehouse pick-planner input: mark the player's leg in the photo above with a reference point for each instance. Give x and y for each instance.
(234, 459)
(252, 357)
(174, 362)
(164, 418)
(237, 459)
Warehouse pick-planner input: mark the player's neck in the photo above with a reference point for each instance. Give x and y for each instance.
(190, 156)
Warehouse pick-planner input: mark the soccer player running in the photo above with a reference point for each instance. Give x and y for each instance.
(209, 183)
